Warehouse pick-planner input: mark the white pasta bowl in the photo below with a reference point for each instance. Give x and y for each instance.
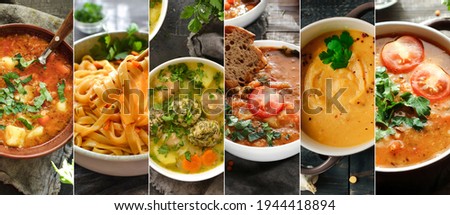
(161, 18)
(114, 165)
(248, 17)
(192, 177)
(265, 154)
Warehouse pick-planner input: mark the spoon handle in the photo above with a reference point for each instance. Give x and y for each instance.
(63, 31)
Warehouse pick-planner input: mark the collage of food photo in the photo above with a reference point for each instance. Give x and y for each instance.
(224, 97)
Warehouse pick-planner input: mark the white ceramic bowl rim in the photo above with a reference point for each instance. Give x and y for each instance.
(248, 17)
(162, 16)
(400, 27)
(250, 12)
(314, 30)
(176, 175)
(265, 154)
(106, 157)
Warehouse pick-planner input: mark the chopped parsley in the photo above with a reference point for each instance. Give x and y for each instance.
(389, 103)
(187, 155)
(22, 63)
(338, 50)
(164, 150)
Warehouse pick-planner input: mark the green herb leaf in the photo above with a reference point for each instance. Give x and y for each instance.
(22, 63)
(61, 86)
(187, 155)
(164, 149)
(338, 50)
(27, 79)
(201, 12)
(25, 123)
(2, 127)
(187, 12)
(45, 92)
(389, 102)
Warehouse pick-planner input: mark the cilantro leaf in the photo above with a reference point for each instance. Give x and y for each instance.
(89, 13)
(338, 50)
(187, 155)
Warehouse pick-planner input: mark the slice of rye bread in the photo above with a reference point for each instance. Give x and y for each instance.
(242, 58)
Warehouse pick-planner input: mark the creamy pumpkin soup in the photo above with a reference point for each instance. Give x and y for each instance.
(338, 88)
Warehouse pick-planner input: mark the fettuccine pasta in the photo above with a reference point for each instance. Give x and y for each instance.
(111, 109)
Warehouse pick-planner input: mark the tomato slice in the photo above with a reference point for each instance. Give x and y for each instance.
(403, 54)
(430, 81)
(265, 102)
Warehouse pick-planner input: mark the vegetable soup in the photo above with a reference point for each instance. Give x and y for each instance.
(413, 100)
(186, 117)
(35, 100)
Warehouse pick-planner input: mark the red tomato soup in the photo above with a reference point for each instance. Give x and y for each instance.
(35, 100)
(413, 101)
(234, 8)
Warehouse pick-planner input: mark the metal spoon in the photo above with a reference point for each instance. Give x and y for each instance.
(64, 30)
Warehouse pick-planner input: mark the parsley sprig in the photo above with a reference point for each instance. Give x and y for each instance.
(201, 13)
(389, 102)
(338, 50)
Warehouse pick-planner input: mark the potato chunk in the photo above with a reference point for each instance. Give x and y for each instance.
(36, 132)
(61, 106)
(7, 63)
(15, 136)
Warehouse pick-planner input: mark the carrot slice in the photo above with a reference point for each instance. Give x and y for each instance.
(98, 65)
(209, 158)
(136, 64)
(134, 53)
(192, 166)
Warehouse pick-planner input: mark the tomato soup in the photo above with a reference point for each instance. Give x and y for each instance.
(35, 100)
(419, 130)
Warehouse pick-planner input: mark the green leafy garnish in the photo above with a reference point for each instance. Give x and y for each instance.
(89, 13)
(110, 48)
(66, 172)
(446, 3)
(61, 86)
(244, 129)
(2, 127)
(187, 155)
(389, 102)
(338, 50)
(153, 3)
(164, 150)
(25, 123)
(22, 63)
(201, 12)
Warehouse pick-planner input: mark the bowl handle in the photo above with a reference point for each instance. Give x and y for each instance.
(326, 165)
(438, 23)
(359, 11)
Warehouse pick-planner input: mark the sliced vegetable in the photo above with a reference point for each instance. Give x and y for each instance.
(265, 102)
(25, 123)
(209, 157)
(193, 165)
(431, 82)
(43, 120)
(403, 54)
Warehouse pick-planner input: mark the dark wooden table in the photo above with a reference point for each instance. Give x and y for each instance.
(120, 15)
(433, 179)
(336, 180)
